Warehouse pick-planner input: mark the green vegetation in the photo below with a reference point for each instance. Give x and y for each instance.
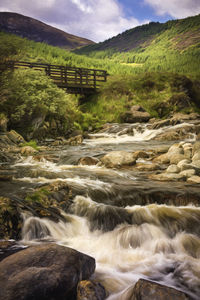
(31, 143)
(157, 93)
(170, 47)
(154, 65)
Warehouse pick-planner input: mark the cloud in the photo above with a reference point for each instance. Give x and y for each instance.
(93, 19)
(175, 8)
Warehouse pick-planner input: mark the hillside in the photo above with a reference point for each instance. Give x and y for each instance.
(38, 31)
(181, 33)
(170, 47)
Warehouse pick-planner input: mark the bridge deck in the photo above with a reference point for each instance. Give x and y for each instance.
(74, 80)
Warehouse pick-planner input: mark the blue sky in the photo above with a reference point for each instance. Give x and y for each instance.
(101, 19)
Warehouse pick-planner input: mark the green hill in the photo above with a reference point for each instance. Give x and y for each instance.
(173, 47)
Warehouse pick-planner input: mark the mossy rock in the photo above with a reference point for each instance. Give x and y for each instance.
(47, 202)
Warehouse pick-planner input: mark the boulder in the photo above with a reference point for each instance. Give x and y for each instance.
(90, 290)
(163, 159)
(188, 173)
(140, 154)
(44, 202)
(76, 140)
(88, 160)
(196, 156)
(15, 137)
(196, 163)
(194, 179)
(146, 290)
(135, 115)
(176, 158)
(181, 133)
(173, 169)
(196, 147)
(167, 177)
(9, 247)
(116, 159)
(44, 272)
(147, 166)
(184, 164)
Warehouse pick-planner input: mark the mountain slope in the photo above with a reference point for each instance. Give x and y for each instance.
(182, 33)
(38, 31)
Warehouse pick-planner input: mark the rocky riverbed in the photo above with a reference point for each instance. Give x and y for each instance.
(125, 198)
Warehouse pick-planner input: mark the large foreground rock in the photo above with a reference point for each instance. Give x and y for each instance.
(44, 272)
(146, 290)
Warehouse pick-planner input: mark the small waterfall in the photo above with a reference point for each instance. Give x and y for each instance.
(156, 242)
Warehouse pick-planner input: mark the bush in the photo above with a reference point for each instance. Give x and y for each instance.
(31, 97)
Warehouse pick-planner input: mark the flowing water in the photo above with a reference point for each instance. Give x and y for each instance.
(129, 241)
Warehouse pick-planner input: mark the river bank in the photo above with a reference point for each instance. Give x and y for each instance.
(127, 196)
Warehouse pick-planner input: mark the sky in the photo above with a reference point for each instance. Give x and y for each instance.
(99, 20)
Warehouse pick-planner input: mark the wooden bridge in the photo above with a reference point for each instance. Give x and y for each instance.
(73, 80)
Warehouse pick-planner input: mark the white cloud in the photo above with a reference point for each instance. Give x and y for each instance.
(175, 8)
(93, 19)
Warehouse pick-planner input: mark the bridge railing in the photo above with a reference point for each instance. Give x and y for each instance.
(64, 76)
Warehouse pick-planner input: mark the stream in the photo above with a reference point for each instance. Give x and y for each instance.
(134, 227)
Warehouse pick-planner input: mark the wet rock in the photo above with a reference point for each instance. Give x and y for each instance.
(196, 156)
(167, 176)
(181, 117)
(196, 163)
(196, 147)
(163, 159)
(44, 272)
(194, 179)
(135, 115)
(28, 150)
(188, 173)
(116, 159)
(15, 137)
(173, 169)
(176, 134)
(176, 158)
(184, 164)
(43, 202)
(140, 154)
(160, 124)
(10, 219)
(145, 290)
(9, 247)
(90, 290)
(88, 160)
(76, 140)
(187, 151)
(147, 166)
